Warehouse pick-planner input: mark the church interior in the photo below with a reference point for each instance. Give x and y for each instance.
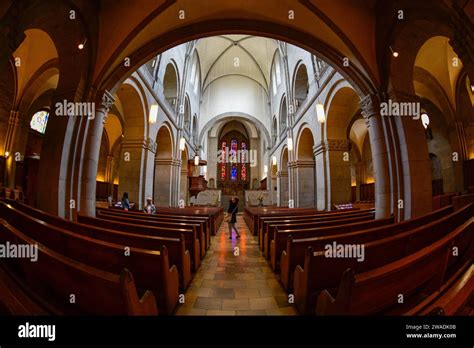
(227, 158)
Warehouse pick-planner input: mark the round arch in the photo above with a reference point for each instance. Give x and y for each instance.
(300, 84)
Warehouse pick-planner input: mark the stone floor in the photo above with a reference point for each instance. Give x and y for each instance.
(235, 279)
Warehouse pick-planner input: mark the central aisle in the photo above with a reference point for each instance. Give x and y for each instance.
(231, 284)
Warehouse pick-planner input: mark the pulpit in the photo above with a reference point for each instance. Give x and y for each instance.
(197, 183)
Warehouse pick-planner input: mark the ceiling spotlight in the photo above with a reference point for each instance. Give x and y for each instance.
(7, 154)
(472, 88)
(82, 44)
(394, 53)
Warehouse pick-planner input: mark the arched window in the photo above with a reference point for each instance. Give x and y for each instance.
(425, 120)
(278, 71)
(274, 83)
(39, 121)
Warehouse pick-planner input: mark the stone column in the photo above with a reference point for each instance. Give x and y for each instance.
(412, 167)
(149, 168)
(370, 106)
(322, 173)
(305, 183)
(183, 191)
(340, 171)
(164, 169)
(283, 189)
(91, 155)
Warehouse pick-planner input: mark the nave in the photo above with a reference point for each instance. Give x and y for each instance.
(235, 282)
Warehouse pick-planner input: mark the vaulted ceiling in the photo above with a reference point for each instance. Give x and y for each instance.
(250, 56)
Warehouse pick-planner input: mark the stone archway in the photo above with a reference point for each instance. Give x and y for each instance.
(344, 105)
(133, 144)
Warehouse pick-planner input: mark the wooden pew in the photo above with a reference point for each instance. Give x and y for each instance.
(54, 277)
(163, 221)
(266, 222)
(169, 224)
(215, 214)
(151, 269)
(204, 222)
(452, 297)
(320, 272)
(278, 243)
(177, 253)
(375, 291)
(295, 251)
(148, 228)
(314, 222)
(252, 215)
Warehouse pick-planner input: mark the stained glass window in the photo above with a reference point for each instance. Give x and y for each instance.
(233, 150)
(223, 161)
(244, 160)
(39, 121)
(233, 172)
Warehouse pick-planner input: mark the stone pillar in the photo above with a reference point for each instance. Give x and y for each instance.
(412, 167)
(184, 189)
(131, 175)
(283, 189)
(91, 155)
(337, 154)
(164, 169)
(322, 177)
(149, 168)
(370, 106)
(305, 183)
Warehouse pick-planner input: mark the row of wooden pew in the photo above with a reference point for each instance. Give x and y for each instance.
(427, 260)
(117, 263)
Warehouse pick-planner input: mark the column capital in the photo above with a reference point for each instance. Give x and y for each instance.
(106, 103)
(370, 106)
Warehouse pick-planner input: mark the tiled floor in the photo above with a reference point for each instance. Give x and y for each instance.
(235, 279)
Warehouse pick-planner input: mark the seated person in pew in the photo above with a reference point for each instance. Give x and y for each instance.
(125, 201)
(149, 207)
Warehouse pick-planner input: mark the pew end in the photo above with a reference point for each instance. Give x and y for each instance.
(146, 305)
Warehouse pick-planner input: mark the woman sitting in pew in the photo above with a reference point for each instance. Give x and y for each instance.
(149, 207)
(125, 201)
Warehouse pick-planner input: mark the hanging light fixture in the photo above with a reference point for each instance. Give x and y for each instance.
(182, 144)
(321, 114)
(7, 154)
(153, 113)
(274, 160)
(196, 160)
